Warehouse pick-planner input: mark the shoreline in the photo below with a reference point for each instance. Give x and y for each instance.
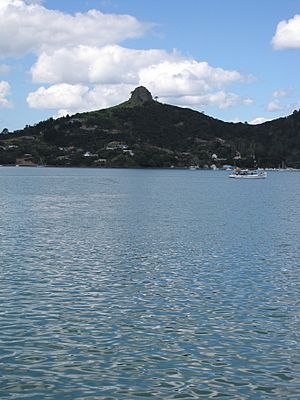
(144, 168)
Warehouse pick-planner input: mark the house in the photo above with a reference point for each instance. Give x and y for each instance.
(237, 156)
(100, 162)
(128, 151)
(116, 146)
(89, 154)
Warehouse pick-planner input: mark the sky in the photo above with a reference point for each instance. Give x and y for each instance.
(233, 60)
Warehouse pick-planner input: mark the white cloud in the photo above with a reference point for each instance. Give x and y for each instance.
(274, 106)
(68, 99)
(259, 120)
(235, 120)
(102, 96)
(185, 78)
(192, 83)
(287, 35)
(79, 57)
(58, 96)
(219, 99)
(281, 93)
(284, 108)
(170, 76)
(4, 93)
(35, 28)
(164, 73)
(293, 106)
(33, 1)
(86, 64)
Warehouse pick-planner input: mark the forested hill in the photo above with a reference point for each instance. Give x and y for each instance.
(144, 132)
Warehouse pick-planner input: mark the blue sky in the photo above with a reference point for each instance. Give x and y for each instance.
(235, 60)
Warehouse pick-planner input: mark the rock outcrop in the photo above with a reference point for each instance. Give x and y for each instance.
(141, 94)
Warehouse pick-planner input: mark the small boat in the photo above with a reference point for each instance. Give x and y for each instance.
(248, 174)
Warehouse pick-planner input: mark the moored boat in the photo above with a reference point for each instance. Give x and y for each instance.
(248, 174)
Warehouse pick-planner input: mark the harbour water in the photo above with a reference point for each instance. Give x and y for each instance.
(134, 284)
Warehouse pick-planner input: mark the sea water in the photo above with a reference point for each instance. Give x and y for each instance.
(134, 284)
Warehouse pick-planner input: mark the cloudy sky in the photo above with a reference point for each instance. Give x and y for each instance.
(235, 60)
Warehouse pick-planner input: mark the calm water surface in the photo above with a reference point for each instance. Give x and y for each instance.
(163, 284)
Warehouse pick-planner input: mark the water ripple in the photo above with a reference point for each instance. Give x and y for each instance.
(148, 284)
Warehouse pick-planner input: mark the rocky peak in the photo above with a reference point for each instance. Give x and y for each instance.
(141, 94)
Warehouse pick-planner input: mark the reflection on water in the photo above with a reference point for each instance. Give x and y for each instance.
(121, 284)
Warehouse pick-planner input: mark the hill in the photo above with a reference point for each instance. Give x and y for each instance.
(143, 132)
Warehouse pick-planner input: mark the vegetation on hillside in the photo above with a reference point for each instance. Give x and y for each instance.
(145, 133)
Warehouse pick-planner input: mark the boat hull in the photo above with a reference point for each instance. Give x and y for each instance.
(261, 175)
(239, 173)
